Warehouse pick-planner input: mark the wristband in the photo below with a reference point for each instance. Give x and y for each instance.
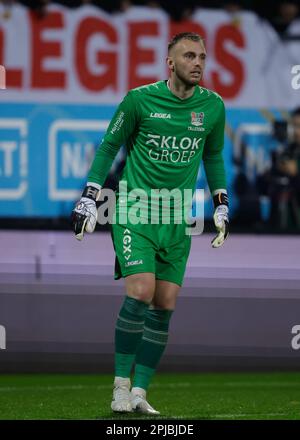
(91, 193)
(220, 199)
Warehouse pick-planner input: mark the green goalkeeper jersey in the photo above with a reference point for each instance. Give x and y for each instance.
(165, 137)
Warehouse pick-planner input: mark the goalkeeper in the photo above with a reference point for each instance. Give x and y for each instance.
(167, 128)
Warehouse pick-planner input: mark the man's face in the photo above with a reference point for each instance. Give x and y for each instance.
(186, 60)
(296, 128)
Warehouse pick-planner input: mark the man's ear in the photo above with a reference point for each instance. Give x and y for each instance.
(170, 63)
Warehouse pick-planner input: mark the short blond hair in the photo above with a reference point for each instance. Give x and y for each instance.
(184, 36)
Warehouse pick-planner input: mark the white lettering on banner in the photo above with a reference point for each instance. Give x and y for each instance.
(13, 159)
(75, 158)
(7, 148)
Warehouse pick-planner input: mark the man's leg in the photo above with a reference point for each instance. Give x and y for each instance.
(128, 333)
(153, 342)
(131, 319)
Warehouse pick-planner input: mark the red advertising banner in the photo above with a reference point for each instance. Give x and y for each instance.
(86, 55)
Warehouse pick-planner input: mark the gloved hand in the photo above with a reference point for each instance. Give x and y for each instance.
(84, 215)
(221, 219)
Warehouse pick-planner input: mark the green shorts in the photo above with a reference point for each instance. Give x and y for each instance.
(160, 249)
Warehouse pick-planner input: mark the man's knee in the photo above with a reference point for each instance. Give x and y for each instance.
(141, 286)
(165, 303)
(166, 294)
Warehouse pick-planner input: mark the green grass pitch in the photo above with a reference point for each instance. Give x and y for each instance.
(178, 396)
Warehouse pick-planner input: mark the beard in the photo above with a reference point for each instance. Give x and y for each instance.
(187, 81)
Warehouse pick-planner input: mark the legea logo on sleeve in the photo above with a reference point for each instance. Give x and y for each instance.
(2, 338)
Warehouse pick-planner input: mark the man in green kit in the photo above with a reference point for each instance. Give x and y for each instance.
(167, 128)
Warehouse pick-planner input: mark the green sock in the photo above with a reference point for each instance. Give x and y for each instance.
(152, 345)
(128, 334)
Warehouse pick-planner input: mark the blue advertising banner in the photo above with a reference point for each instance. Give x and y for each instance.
(46, 151)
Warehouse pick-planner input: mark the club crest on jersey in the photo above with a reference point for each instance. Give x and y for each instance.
(197, 118)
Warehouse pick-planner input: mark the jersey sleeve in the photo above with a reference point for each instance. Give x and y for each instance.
(121, 127)
(213, 153)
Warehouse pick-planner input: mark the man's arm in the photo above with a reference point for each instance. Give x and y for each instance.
(121, 127)
(216, 178)
(119, 130)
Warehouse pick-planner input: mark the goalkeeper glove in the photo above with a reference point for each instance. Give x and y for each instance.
(221, 219)
(84, 215)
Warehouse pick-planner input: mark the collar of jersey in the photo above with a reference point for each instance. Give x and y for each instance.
(175, 96)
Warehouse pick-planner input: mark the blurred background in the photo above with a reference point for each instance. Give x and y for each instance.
(68, 64)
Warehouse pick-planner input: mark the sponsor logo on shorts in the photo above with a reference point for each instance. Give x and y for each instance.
(127, 244)
(133, 263)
